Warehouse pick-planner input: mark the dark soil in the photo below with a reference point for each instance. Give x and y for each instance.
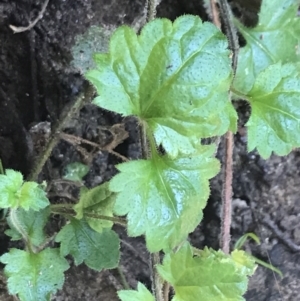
(37, 80)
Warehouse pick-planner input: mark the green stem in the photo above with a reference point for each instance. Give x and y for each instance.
(123, 278)
(13, 215)
(65, 209)
(240, 95)
(54, 137)
(1, 168)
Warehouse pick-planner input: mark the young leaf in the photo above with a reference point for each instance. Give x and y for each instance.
(97, 250)
(275, 38)
(164, 198)
(14, 193)
(75, 171)
(211, 276)
(33, 224)
(99, 200)
(142, 294)
(174, 77)
(274, 124)
(34, 276)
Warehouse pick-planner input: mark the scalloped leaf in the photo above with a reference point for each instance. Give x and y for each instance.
(33, 224)
(164, 198)
(97, 250)
(75, 171)
(174, 77)
(278, 25)
(274, 124)
(34, 276)
(142, 294)
(211, 276)
(15, 193)
(98, 200)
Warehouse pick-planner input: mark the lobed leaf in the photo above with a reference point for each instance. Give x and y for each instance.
(14, 193)
(33, 224)
(211, 276)
(275, 38)
(34, 276)
(164, 198)
(96, 250)
(142, 294)
(274, 124)
(98, 200)
(174, 77)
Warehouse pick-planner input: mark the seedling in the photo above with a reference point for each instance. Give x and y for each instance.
(177, 79)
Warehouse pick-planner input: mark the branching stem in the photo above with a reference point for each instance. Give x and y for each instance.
(55, 134)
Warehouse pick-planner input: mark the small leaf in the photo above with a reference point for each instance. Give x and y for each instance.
(142, 294)
(97, 250)
(274, 124)
(14, 193)
(174, 77)
(75, 171)
(164, 198)
(34, 276)
(31, 196)
(211, 276)
(10, 183)
(275, 38)
(98, 200)
(33, 224)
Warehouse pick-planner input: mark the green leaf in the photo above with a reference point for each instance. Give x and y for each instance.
(174, 77)
(33, 224)
(34, 276)
(274, 124)
(211, 276)
(164, 198)
(99, 200)
(97, 250)
(275, 38)
(142, 294)
(10, 183)
(14, 193)
(75, 171)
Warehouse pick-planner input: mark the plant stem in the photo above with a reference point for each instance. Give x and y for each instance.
(151, 9)
(227, 194)
(166, 291)
(231, 34)
(54, 137)
(13, 215)
(156, 279)
(123, 278)
(63, 209)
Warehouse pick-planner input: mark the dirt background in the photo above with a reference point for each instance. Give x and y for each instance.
(37, 80)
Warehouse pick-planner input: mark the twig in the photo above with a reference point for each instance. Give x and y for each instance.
(280, 235)
(54, 137)
(79, 140)
(18, 29)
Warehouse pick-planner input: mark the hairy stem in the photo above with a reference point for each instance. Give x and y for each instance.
(157, 283)
(13, 215)
(231, 34)
(151, 9)
(54, 137)
(64, 209)
(123, 278)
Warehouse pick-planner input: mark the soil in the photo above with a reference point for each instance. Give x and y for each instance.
(37, 81)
